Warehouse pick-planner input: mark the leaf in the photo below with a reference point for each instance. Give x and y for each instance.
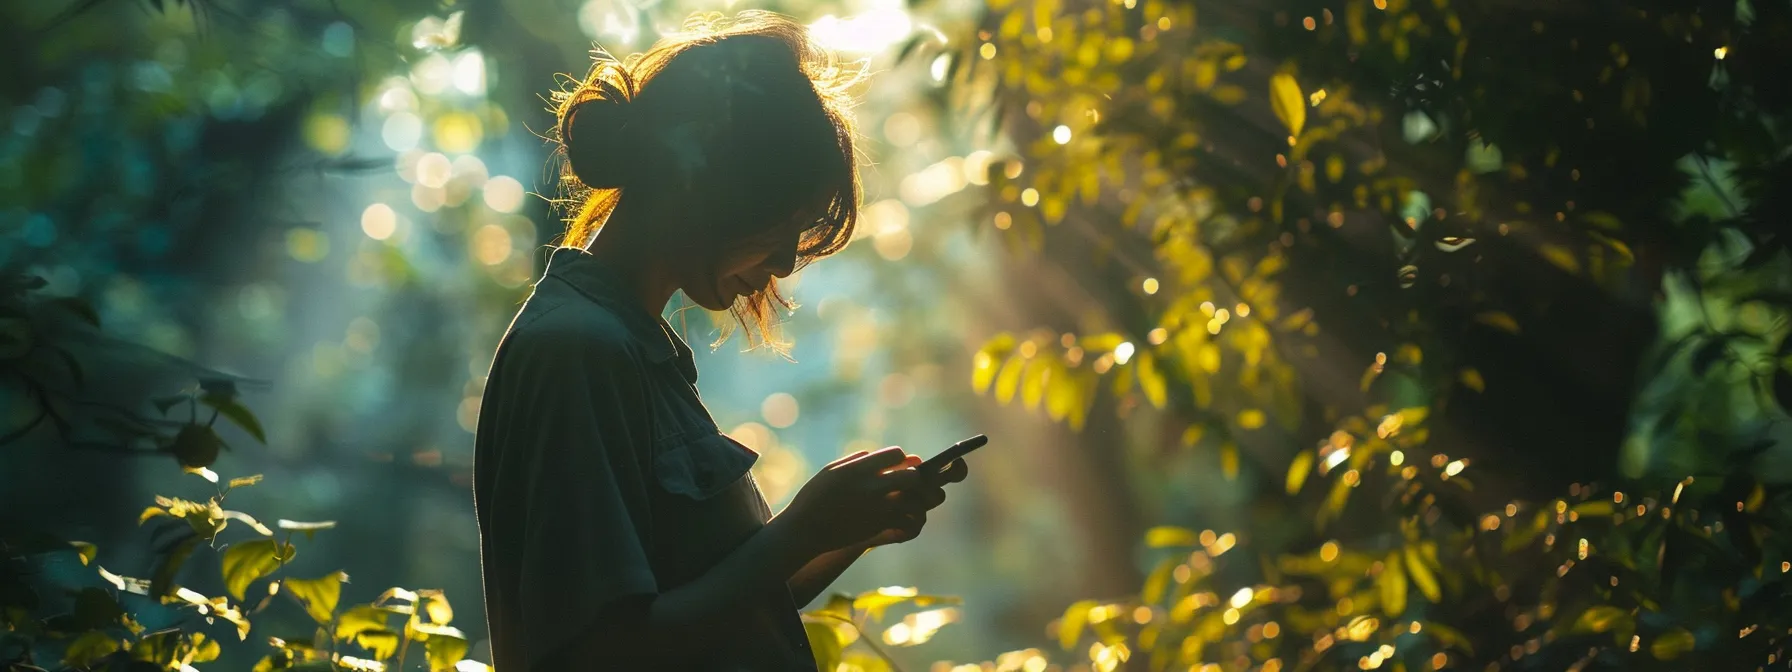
(444, 651)
(1708, 354)
(1151, 380)
(1299, 470)
(436, 605)
(249, 520)
(362, 619)
(1251, 418)
(1420, 571)
(86, 550)
(1070, 627)
(1672, 644)
(380, 643)
(824, 643)
(1472, 379)
(1158, 581)
(1449, 637)
(88, 649)
(1008, 381)
(163, 579)
(319, 595)
(247, 561)
(1498, 320)
(1598, 508)
(1167, 536)
(1393, 586)
(96, 608)
(244, 481)
(1286, 101)
(229, 407)
(874, 602)
(1599, 619)
(1229, 461)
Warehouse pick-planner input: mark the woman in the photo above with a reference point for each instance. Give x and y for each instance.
(619, 528)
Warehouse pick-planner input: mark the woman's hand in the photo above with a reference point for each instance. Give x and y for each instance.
(854, 499)
(926, 494)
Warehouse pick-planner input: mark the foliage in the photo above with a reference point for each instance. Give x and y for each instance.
(1479, 200)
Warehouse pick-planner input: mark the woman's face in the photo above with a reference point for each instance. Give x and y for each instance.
(744, 267)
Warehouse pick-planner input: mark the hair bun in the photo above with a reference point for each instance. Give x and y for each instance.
(595, 133)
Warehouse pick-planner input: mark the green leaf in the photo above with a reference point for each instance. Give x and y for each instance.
(1672, 644)
(162, 580)
(1286, 101)
(1158, 581)
(86, 550)
(1599, 619)
(247, 561)
(1420, 571)
(88, 649)
(1008, 381)
(1038, 375)
(244, 481)
(1393, 586)
(444, 651)
(824, 642)
(1449, 637)
(1299, 470)
(1070, 627)
(381, 644)
(361, 619)
(1167, 536)
(988, 360)
(1498, 320)
(319, 595)
(1151, 380)
(229, 407)
(1598, 508)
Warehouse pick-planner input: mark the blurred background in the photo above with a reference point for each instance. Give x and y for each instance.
(1398, 299)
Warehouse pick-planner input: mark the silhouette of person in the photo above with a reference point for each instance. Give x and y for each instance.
(619, 528)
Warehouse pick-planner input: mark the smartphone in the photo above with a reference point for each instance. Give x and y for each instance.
(938, 463)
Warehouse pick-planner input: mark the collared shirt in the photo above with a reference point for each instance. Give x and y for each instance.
(600, 478)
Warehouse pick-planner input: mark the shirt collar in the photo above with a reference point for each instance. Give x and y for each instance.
(602, 284)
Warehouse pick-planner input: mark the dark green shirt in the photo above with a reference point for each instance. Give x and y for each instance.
(599, 478)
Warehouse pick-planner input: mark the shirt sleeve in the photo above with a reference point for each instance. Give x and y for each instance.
(571, 433)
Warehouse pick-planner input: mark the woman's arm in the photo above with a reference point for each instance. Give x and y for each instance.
(815, 577)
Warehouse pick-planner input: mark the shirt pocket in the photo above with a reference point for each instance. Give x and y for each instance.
(700, 465)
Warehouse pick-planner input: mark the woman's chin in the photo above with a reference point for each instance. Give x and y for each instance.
(715, 301)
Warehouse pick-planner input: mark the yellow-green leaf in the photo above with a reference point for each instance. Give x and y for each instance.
(151, 512)
(1596, 508)
(1286, 100)
(1299, 469)
(1251, 418)
(1008, 381)
(1420, 571)
(244, 562)
(86, 550)
(88, 649)
(824, 643)
(1672, 644)
(245, 481)
(1393, 586)
(1151, 380)
(988, 360)
(381, 643)
(205, 649)
(1166, 536)
(1158, 581)
(1562, 257)
(1229, 460)
(1449, 637)
(361, 619)
(1070, 628)
(1599, 619)
(444, 651)
(1472, 379)
(319, 595)
(1498, 320)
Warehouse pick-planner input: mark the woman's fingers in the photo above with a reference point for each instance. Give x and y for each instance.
(954, 472)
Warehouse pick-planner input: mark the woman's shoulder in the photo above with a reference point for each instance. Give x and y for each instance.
(565, 329)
